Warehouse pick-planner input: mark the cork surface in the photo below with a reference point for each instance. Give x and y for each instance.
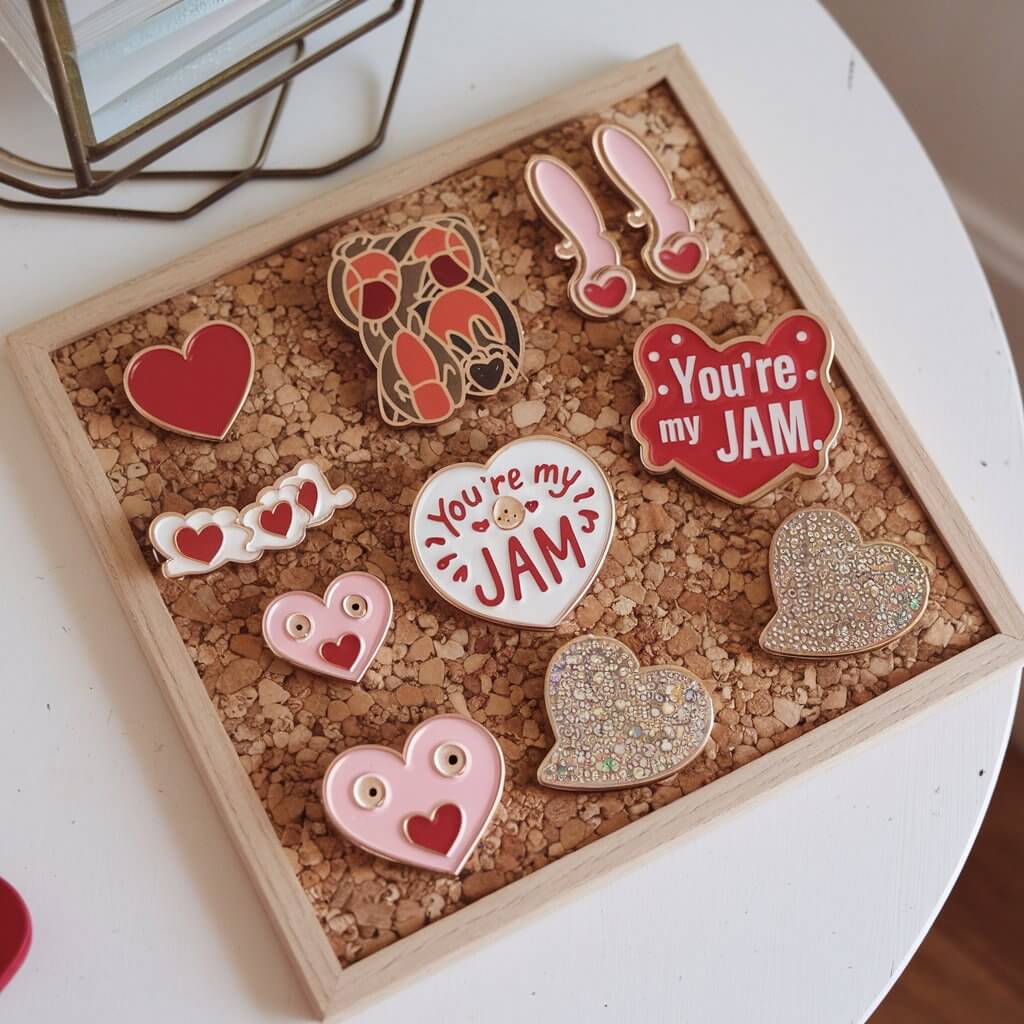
(686, 579)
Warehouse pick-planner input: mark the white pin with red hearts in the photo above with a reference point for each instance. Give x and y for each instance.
(205, 539)
(519, 540)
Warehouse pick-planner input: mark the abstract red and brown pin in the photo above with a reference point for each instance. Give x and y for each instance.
(429, 314)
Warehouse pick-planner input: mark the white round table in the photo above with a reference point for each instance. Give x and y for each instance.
(802, 909)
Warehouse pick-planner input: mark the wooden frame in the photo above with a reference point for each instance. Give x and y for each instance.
(335, 992)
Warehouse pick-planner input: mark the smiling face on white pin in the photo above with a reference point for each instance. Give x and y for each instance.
(201, 541)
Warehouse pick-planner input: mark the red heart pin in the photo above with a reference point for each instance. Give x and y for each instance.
(15, 932)
(608, 295)
(437, 832)
(197, 390)
(343, 652)
(278, 519)
(202, 545)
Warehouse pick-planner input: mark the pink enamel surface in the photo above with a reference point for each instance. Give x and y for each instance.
(573, 211)
(646, 179)
(415, 786)
(330, 623)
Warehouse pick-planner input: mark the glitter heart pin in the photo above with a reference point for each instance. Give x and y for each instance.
(519, 540)
(836, 595)
(427, 806)
(616, 724)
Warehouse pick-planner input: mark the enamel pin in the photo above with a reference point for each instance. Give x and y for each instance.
(674, 253)
(836, 595)
(338, 635)
(616, 724)
(519, 540)
(428, 806)
(429, 314)
(205, 540)
(201, 541)
(197, 390)
(740, 418)
(275, 519)
(600, 286)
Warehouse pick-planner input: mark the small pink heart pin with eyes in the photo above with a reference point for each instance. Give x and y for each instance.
(337, 635)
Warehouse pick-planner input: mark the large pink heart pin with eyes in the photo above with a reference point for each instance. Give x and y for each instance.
(338, 635)
(428, 806)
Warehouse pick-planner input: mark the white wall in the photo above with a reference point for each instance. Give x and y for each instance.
(957, 70)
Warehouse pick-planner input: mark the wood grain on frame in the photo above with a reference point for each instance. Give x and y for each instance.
(335, 992)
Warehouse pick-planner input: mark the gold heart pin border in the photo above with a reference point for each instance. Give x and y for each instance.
(805, 633)
(610, 655)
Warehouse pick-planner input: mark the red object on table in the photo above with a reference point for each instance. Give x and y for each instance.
(15, 932)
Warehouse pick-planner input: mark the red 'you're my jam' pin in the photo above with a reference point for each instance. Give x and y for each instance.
(740, 418)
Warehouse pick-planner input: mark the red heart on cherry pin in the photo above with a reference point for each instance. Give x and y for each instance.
(682, 261)
(609, 295)
(197, 390)
(15, 932)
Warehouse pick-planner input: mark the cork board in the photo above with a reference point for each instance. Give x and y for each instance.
(686, 579)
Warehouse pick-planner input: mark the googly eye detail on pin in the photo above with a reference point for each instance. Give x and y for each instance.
(369, 791)
(451, 759)
(349, 623)
(299, 626)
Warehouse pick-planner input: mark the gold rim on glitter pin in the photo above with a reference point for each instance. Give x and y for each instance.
(835, 594)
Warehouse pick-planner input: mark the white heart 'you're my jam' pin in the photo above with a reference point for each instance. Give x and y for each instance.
(519, 540)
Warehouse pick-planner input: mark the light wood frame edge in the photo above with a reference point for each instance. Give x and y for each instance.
(334, 992)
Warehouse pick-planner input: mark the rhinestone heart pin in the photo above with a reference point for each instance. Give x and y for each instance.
(836, 595)
(427, 806)
(338, 635)
(616, 724)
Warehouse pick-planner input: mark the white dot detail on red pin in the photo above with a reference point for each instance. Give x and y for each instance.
(801, 335)
(811, 374)
(662, 389)
(654, 356)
